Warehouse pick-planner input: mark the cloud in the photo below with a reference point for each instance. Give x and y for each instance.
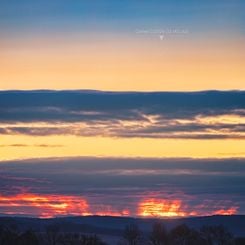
(43, 206)
(94, 105)
(124, 183)
(36, 145)
(194, 115)
(46, 206)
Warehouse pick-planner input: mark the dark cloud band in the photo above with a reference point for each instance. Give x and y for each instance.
(125, 181)
(156, 114)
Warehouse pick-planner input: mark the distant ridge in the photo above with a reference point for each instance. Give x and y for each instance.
(107, 225)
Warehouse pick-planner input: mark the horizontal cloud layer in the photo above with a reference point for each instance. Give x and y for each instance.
(197, 187)
(201, 115)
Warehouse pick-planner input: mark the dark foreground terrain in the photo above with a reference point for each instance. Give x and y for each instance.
(93, 230)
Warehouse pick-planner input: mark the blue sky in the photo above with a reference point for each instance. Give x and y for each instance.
(200, 17)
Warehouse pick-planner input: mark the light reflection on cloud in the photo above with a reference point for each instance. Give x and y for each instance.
(47, 205)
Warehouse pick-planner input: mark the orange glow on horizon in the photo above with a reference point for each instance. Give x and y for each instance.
(154, 207)
(48, 206)
(230, 211)
(159, 207)
(45, 206)
(111, 212)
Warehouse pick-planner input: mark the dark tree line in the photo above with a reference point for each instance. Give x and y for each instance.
(55, 237)
(159, 235)
(180, 235)
(52, 236)
(11, 236)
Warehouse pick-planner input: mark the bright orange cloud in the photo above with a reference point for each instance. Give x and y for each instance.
(45, 205)
(160, 207)
(48, 206)
(154, 207)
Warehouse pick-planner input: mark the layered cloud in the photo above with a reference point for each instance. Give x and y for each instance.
(187, 115)
(121, 186)
(93, 123)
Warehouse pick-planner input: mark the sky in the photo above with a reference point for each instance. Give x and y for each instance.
(122, 45)
(124, 108)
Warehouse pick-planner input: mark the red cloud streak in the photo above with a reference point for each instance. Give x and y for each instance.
(47, 205)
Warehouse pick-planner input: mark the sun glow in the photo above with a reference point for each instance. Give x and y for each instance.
(159, 207)
(45, 206)
(230, 211)
(48, 206)
(154, 207)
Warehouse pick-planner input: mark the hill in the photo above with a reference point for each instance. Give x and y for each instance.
(111, 228)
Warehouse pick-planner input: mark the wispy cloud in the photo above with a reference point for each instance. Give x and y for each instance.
(36, 145)
(196, 115)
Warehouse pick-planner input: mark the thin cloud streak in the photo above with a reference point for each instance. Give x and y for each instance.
(36, 145)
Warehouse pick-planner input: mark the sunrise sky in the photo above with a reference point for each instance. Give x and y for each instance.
(128, 108)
